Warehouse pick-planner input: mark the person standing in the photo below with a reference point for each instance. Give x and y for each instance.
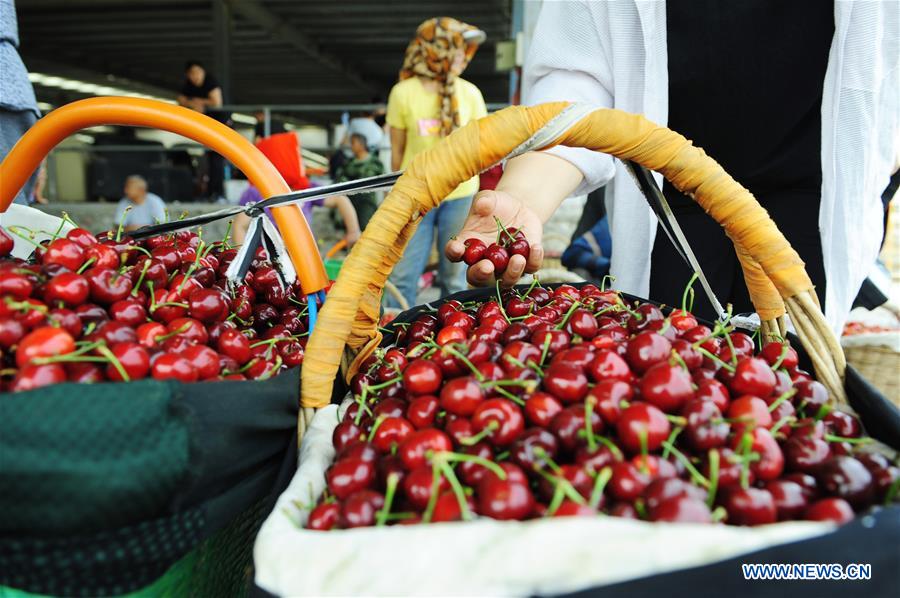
(429, 102)
(201, 92)
(139, 207)
(364, 164)
(18, 106)
(806, 118)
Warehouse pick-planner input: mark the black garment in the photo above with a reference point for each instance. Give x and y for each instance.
(745, 84)
(189, 90)
(275, 127)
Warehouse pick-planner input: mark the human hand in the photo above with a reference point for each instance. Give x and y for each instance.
(481, 224)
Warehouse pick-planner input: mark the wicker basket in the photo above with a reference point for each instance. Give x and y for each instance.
(879, 365)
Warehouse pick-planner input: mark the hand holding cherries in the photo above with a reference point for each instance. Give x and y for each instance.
(510, 241)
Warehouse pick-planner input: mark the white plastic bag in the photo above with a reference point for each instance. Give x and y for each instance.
(44, 225)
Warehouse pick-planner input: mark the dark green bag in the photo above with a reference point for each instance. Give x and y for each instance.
(106, 488)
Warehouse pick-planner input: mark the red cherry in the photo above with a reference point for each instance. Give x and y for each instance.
(541, 408)
(422, 377)
(451, 335)
(172, 366)
(461, 396)
(805, 453)
(628, 481)
(190, 329)
(790, 498)
(208, 305)
(391, 432)
(418, 486)
(666, 386)
(32, 376)
(523, 451)
(106, 258)
(714, 391)
(422, 411)
(642, 424)
(82, 237)
(345, 434)
(68, 288)
(359, 509)
(133, 358)
(324, 517)
(414, 449)
(15, 285)
(847, 478)
(773, 351)
(503, 416)
(519, 247)
(834, 510)
(498, 256)
(11, 332)
(705, 428)
(46, 341)
(682, 509)
(204, 360)
(6, 243)
(607, 365)
(504, 499)
(149, 334)
(349, 475)
(447, 507)
(647, 349)
(474, 251)
(65, 253)
(753, 376)
(770, 462)
(84, 373)
(843, 424)
(555, 340)
(107, 286)
(566, 382)
(750, 412)
(129, 312)
(570, 426)
(750, 506)
(661, 490)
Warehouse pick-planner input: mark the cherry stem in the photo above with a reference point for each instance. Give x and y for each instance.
(534, 282)
(567, 488)
(698, 477)
(487, 464)
(503, 230)
(525, 366)
(15, 230)
(671, 440)
(835, 438)
(733, 359)
(122, 224)
(500, 302)
(608, 277)
(744, 452)
(719, 514)
(713, 477)
(678, 420)
(475, 371)
(677, 359)
(375, 426)
(432, 500)
(24, 306)
(781, 357)
(716, 358)
(892, 492)
(381, 385)
(271, 371)
(688, 290)
(457, 488)
(361, 401)
(781, 422)
(781, 399)
(588, 428)
(642, 436)
(545, 349)
(475, 439)
(546, 458)
(140, 279)
(575, 305)
(505, 393)
(164, 337)
(558, 497)
(104, 350)
(600, 483)
(382, 516)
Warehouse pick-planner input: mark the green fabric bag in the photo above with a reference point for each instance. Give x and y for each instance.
(154, 487)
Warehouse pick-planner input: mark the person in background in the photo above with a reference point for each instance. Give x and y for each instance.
(276, 126)
(365, 125)
(364, 164)
(201, 92)
(429, 102)
(18, 106)
(139, 207)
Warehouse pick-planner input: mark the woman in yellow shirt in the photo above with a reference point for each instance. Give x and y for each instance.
(429, 102)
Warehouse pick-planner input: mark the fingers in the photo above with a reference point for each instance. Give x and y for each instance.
(535, 259)
(481, 274)
(454, 249)
(484, 204)
(513, 271)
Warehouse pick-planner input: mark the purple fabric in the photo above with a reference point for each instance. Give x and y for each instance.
(252, 195)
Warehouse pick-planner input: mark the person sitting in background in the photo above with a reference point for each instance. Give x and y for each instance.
(363, 165)
(276, 126)
(139, 207)
(365, 125)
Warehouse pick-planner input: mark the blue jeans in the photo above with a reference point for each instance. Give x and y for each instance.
(447, 220)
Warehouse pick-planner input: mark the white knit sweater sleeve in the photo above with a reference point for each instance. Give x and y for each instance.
(567, 62)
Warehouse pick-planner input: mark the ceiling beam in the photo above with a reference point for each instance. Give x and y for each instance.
(282, 30)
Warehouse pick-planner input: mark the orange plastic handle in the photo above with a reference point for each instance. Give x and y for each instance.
(335, 248)
(34, 145)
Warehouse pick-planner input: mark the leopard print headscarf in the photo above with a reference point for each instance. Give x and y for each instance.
(430, 54)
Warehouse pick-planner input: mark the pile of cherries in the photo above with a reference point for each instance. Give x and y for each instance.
(87, 309)
(510, 241)
(546, 403)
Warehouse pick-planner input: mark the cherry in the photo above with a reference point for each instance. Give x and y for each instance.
(472, 473)
(583, 323)
(134, 360)
(773, 352)
(32, 376)
(504, 499)
(682, 321)
(518, 307)
(628, 481)
(474, 252)
(345, 434)
(580, 356)
(208, 305)
(173, 366)
(106, 258)
(790, 498)
(447, 508)
(84, 372)
(68, 288)
(750, 412)
(82, 237)
(349, 475)
(624, 510)
(422, 410)
(843, 424)
(417, 445)
(190, 329)
(834, 510)
(516, 331)
(502, 417)
(418, 486)
(770, 463)
(682, 509)
(811, 396)
(523, 452)
(753, 376)
(667, 387)
(107, 286)
(566, 382)
(568, 508)
(661, 490)
(555, 340)
(204, 360)
(575, 475)
(750, 506)
(11, 331)
(324, 516)
(129, 312)
(498, 256)
(541, 408)
(235, 345)
(390, 433)
(595, 459)
(15, 285)
(609, 398)
(65, 253)
(805, 453)
(422, 377)
(461, 396)
(451, 335)
(642, 427)
(6, 243)
(647, 349)
(46, 341)
(847, 478)
(113, 332)
(704, 429)
(570, 426)
(359, 509)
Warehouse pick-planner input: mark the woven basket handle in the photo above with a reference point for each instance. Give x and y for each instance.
(775, 271)
(34, 145)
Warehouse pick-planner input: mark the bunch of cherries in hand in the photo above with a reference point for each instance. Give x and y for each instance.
(575, 401)
(87, 309)
(510, 241)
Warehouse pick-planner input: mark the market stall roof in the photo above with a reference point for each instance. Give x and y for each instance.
(282, 51)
